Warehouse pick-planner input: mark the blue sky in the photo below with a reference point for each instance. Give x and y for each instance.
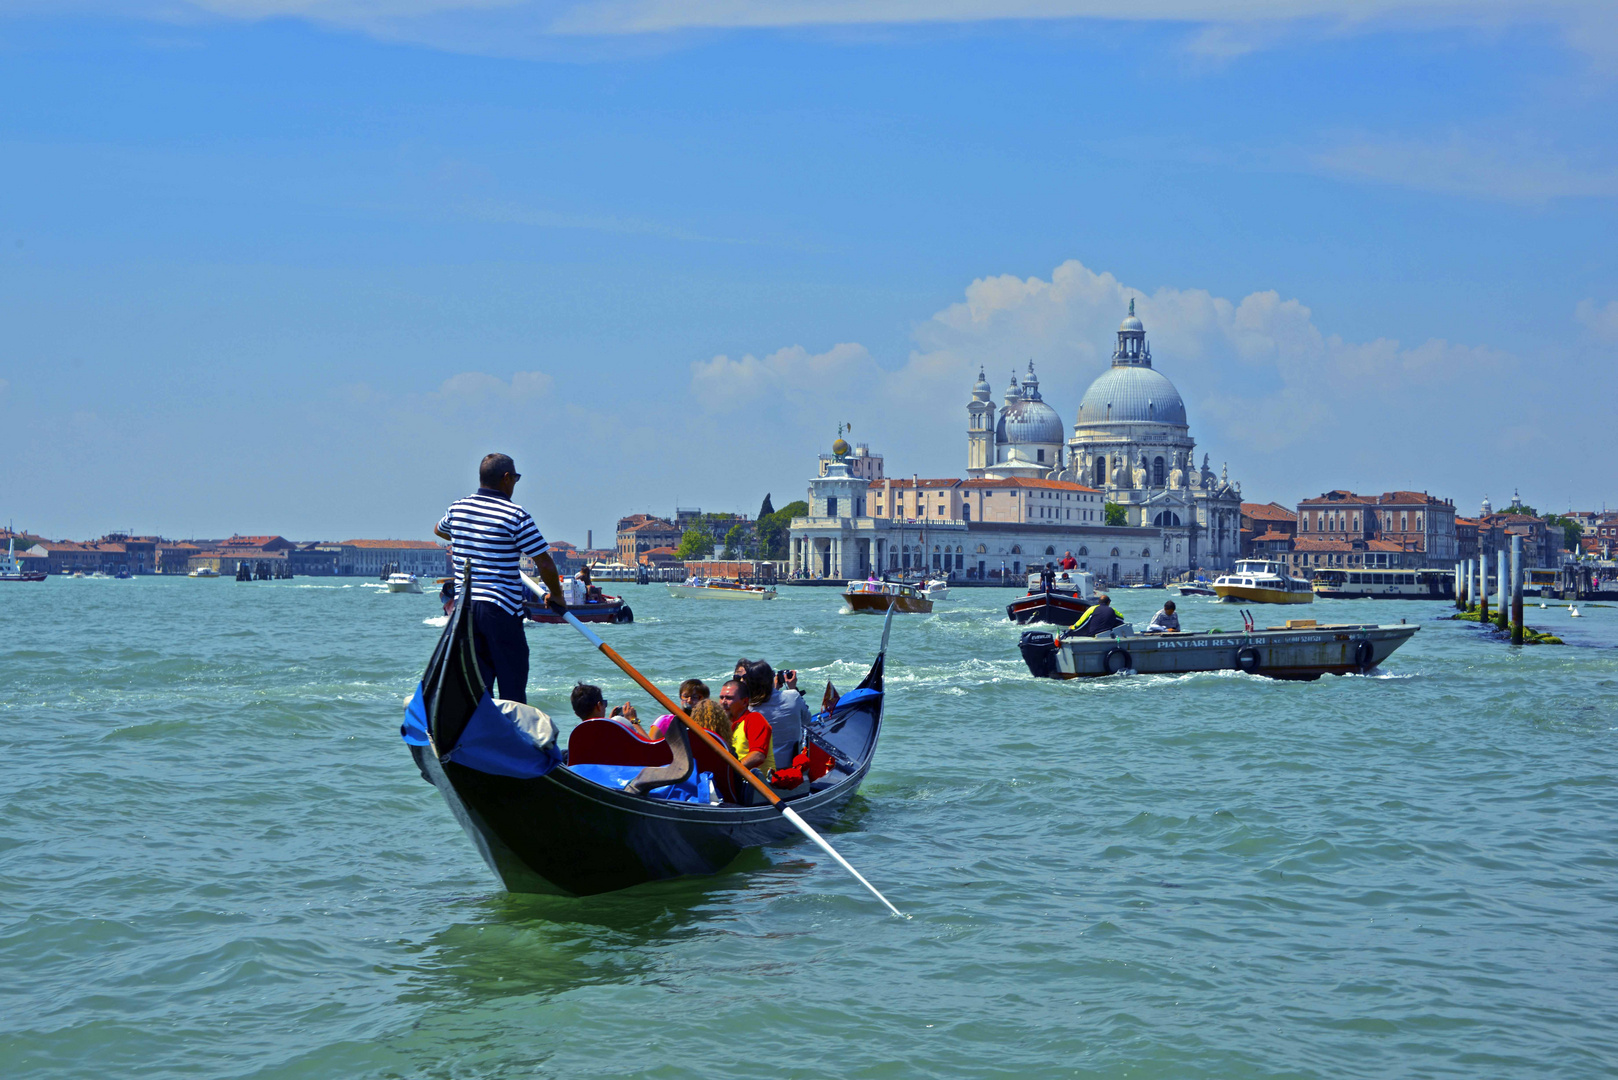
(293, 266)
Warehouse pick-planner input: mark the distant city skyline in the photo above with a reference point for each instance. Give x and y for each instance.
(296, 272)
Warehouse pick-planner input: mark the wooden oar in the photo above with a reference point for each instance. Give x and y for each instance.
(718, 747)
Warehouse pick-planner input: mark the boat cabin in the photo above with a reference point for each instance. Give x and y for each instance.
(1077, 583)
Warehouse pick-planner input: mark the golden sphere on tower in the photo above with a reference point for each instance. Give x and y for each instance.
(840, 448)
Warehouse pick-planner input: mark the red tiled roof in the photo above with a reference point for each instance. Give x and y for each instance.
(654, 525)
(1271, 536)
(406, 544)
(1336, 497)
(1306, 545)
(1269, 511)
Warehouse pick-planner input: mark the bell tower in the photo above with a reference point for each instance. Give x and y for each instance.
(979, 428)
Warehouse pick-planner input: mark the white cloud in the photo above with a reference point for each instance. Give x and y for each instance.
(1263, 384)
(1513, 172)
(1224, 28)
(1600, 319)
(477, 389)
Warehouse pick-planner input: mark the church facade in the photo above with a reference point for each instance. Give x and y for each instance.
(1035, 491)
(1130, 440)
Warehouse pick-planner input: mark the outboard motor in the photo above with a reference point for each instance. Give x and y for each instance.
(1039, 649)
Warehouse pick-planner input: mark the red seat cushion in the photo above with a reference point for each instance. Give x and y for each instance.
(609, 742)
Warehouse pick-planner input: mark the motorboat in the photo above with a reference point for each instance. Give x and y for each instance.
(613, 809)
(1196, 589)
(935, 589)
(1054, 596)
(1263, 581)
(203, 572)
(873, 595)
(400, 582)
(11, 569)
(1301, 650)
(701, 589)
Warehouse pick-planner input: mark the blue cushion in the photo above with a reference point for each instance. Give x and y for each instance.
(697, 789)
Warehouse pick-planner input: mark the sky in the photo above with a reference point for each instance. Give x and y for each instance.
(294, 266)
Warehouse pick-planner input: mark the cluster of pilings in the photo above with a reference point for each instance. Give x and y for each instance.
(1472, 589)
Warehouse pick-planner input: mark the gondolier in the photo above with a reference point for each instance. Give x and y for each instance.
(493, 533)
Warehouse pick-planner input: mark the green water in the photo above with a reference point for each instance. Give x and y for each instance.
(217, 860)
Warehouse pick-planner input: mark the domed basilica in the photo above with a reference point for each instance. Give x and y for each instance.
(1131, 441)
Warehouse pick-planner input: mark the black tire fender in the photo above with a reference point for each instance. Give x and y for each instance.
(1248, 659)
(1121, 655)
(623, 615)
(1364, 655)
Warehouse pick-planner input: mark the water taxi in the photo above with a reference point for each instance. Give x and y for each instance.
(403, 583)
(1384, 584)
(1263, 581)
(696, 589)
(1302, 650)
(203, 571)
(869, 595)
(1054, 596)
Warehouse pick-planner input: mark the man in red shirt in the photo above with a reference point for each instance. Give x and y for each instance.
(1069, 562)
(751, 736)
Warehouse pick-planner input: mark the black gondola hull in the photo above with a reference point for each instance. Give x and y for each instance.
(543, 828)
(564, 835)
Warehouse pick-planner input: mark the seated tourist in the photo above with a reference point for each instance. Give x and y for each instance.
(750, 732)
(1097, 619)
(710, 715)
(589, 703)
(1165, 620)
(784, 709)
(692, 693)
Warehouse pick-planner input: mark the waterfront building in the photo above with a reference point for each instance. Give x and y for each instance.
(1131, 442)
(366, 558)
(1378, 526)
(986, 528)
(1268, 530)
(641, 533)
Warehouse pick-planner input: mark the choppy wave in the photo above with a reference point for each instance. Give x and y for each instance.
(217, 859)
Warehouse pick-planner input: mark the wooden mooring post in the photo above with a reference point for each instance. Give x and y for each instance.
(1483, 588)
(1516, 590)
(1460, 589)
(1502, 594)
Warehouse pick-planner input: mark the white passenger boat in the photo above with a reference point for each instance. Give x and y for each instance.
(722, 590)
(1263, 581)
(1385, 584)
(403, 583)
(203, 571)
(1301, 650)
(614, 572)
(936, 589)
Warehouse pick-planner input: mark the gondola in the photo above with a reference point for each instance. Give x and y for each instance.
(544, 828)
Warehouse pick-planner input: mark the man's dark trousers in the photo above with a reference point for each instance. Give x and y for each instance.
(502, 648)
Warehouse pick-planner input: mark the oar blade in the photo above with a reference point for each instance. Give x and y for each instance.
(803, 827)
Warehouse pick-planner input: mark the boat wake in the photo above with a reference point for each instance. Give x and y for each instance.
(439, 621)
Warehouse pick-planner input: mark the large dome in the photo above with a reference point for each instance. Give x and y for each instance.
(1029, 422)
(1131, 394)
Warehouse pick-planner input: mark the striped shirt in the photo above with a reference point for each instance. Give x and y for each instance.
(494, 533)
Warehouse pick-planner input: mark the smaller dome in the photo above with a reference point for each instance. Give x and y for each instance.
(840, 447)
(1131, 323)
(982, 385)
